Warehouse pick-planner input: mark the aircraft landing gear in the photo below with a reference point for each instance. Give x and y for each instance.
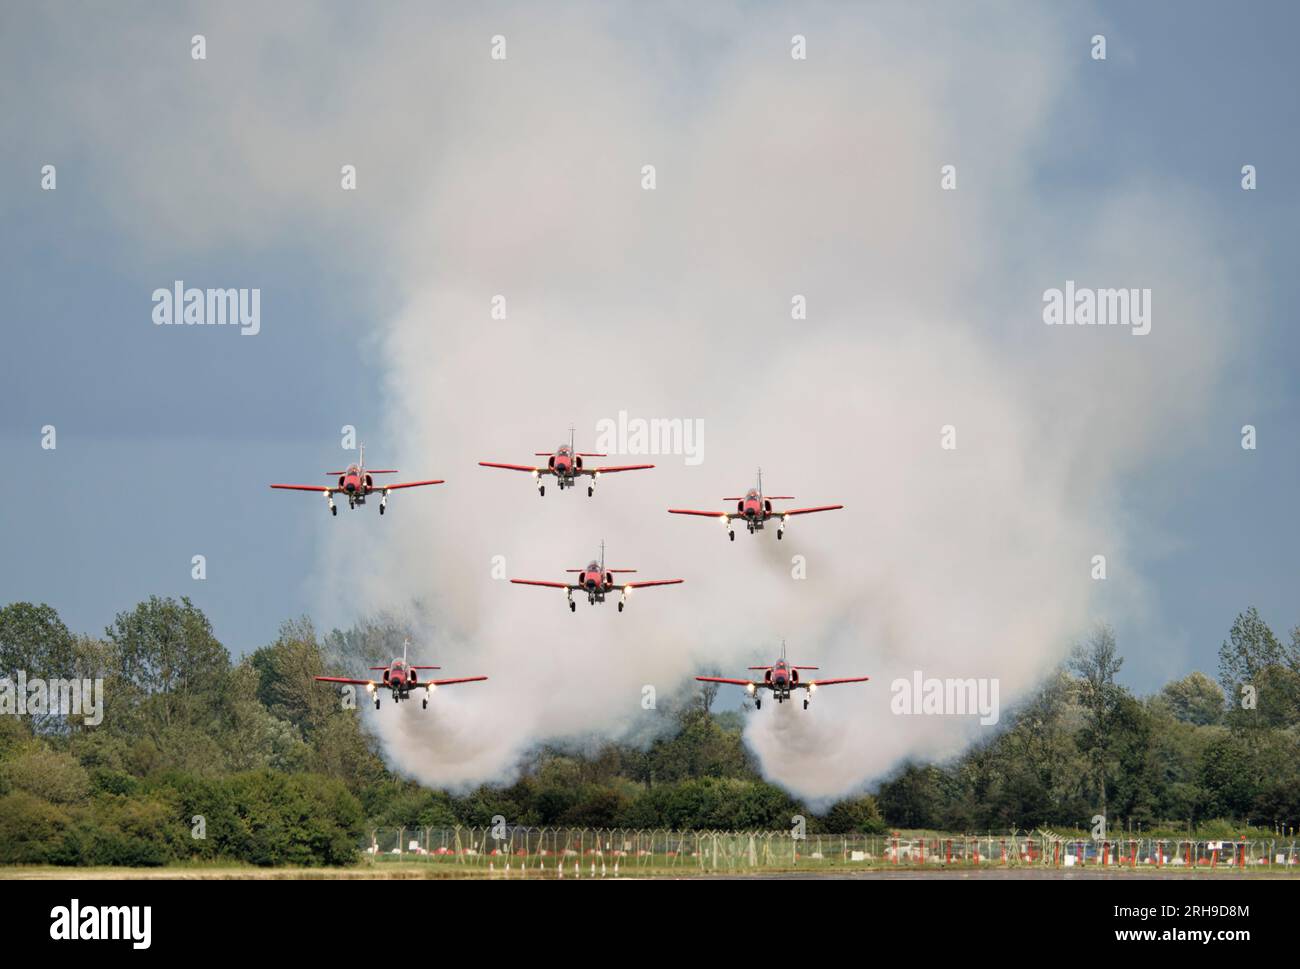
(779, 533)
(805, 703)
(758, 703)
(376, 703)
(590, 491)
(334, 511)
(573, 606)
(732, 535)
(541, 491)
(424, 704)
(620, 607)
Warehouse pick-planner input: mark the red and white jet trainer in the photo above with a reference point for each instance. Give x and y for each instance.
(781, 678)
(566, 464)
(401, 677)
(356, 482)
(597, 581)
(756, 509)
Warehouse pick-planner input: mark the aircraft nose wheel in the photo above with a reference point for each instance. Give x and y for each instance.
(758, 704)
(805, 703)
(541, 491)
(590, 492)
(620, 607)
(376, 703)
(573, 607)
(424, 704)
(733, 535)
(779, 533)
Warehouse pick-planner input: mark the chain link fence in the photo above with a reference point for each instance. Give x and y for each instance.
(504, 847)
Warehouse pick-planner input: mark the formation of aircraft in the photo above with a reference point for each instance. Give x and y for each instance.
(782, 679)
(756, 510)
(597, 581)
(357, 483)
(565, 464)
(400, 678)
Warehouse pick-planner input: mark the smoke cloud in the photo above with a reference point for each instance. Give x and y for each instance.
(775, 177)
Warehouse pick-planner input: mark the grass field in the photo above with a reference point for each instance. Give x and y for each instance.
(409, 868)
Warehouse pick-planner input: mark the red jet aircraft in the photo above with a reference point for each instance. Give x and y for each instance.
(566, 464)
(401, 677)
(597, 581)
(781, 678)
(356, 483)
(756, 509)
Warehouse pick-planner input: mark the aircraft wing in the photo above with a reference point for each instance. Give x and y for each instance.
(723, 679)
(549, 585)
(319, 489)
(843, 679)
(344, 679)
(806, 511)
(405, 484)
(705, 514)
(515, 467)
(642, 585)
(456, 679)
(616, 467)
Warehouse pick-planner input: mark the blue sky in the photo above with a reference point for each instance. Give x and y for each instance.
(167, 440)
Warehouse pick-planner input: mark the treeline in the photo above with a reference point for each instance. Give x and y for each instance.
(1083, 746)
(198, 758)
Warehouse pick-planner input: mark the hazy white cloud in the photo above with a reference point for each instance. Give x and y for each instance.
(818, 178)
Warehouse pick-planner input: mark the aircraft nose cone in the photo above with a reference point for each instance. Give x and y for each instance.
(349, 487)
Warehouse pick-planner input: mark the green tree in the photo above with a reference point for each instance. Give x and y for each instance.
(168, 658)
(1249, 648)
(30, 829)
(1195, 699)
(1095, 664)
(911, 799)
(285, 678)
(48, 774)
(857, 815)
(35, 642)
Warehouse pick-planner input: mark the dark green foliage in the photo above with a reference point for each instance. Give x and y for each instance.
(198, 760)
(858, 814)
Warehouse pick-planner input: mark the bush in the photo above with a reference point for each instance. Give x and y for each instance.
(30, 829)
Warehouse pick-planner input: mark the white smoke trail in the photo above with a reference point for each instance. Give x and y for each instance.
(775, 178)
